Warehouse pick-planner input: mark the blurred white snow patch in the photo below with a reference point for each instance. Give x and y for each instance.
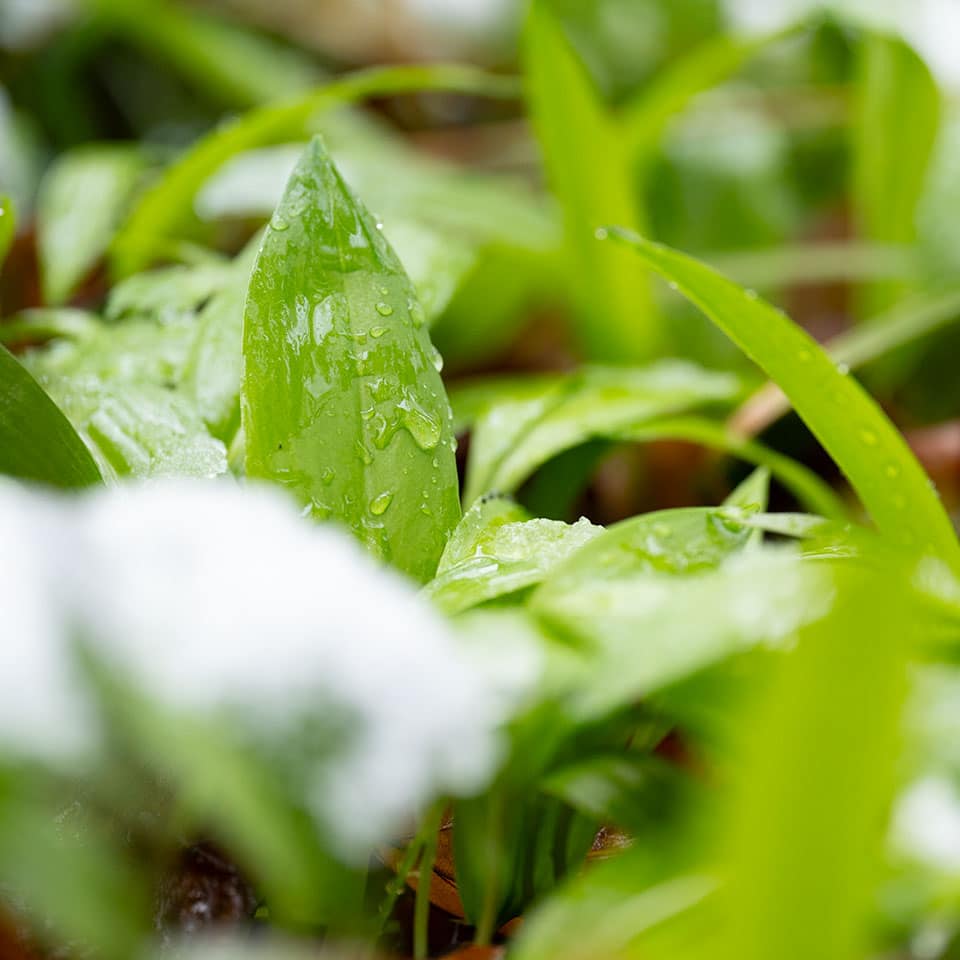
(926, 824)
(210, 598)
(930, 26)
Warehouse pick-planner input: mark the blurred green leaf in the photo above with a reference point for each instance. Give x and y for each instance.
(653, 602)
(82, 198)
(811, 788)
(37, 441)
(514, 437)
(895, 92)
(847, 421)
(342, 398)
(169, 204)
(241, 67)
(8, 225)
(588, 164)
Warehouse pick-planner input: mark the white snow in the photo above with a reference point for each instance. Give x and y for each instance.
(926, 824)
(215, 598)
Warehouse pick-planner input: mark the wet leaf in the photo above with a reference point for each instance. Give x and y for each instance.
(497, 550)
(342, 398)
(840, 413)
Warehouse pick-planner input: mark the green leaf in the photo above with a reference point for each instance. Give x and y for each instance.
(895, 92)
(81, 200)
(37, 441)
(169, 204)
(8, 225)
(645, 118)
(589, 166)
(613, 909)
(495, 551)
(651, 601)
(342, 401)
(844, 418)
(812, 781)
(513, 438)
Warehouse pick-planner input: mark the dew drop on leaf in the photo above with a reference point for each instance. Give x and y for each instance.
(378, 505)
(384, 309)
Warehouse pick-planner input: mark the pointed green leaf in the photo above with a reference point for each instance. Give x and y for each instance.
(342, 399)
(37, 441)
(841, 414)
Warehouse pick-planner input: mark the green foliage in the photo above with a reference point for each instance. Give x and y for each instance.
(724, 687)
(342, 397)
(82, 199)
(36, 441)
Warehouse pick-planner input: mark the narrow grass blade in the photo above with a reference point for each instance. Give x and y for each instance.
(841, 414)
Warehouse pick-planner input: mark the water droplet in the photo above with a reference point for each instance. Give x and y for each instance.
(384, 309)
(279, 223)
(378, 505)
(661, 530)
(843, 369)
(379, 224)
(364, 454)
(869, 438)
(673, 285)
(424, 428)
(437, 358)
(417, 316)
(367, 413)
(601, 233)
(752, 294)
(327, 476)
(377, 332)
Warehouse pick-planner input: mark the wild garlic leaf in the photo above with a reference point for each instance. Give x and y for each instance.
(497, 550)
(342, 400)
(648, 628)
(840, 413)
(589, 166)
(37, 442)
(82, 199)
(618, 593)
(512, 439)
(168, 205)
